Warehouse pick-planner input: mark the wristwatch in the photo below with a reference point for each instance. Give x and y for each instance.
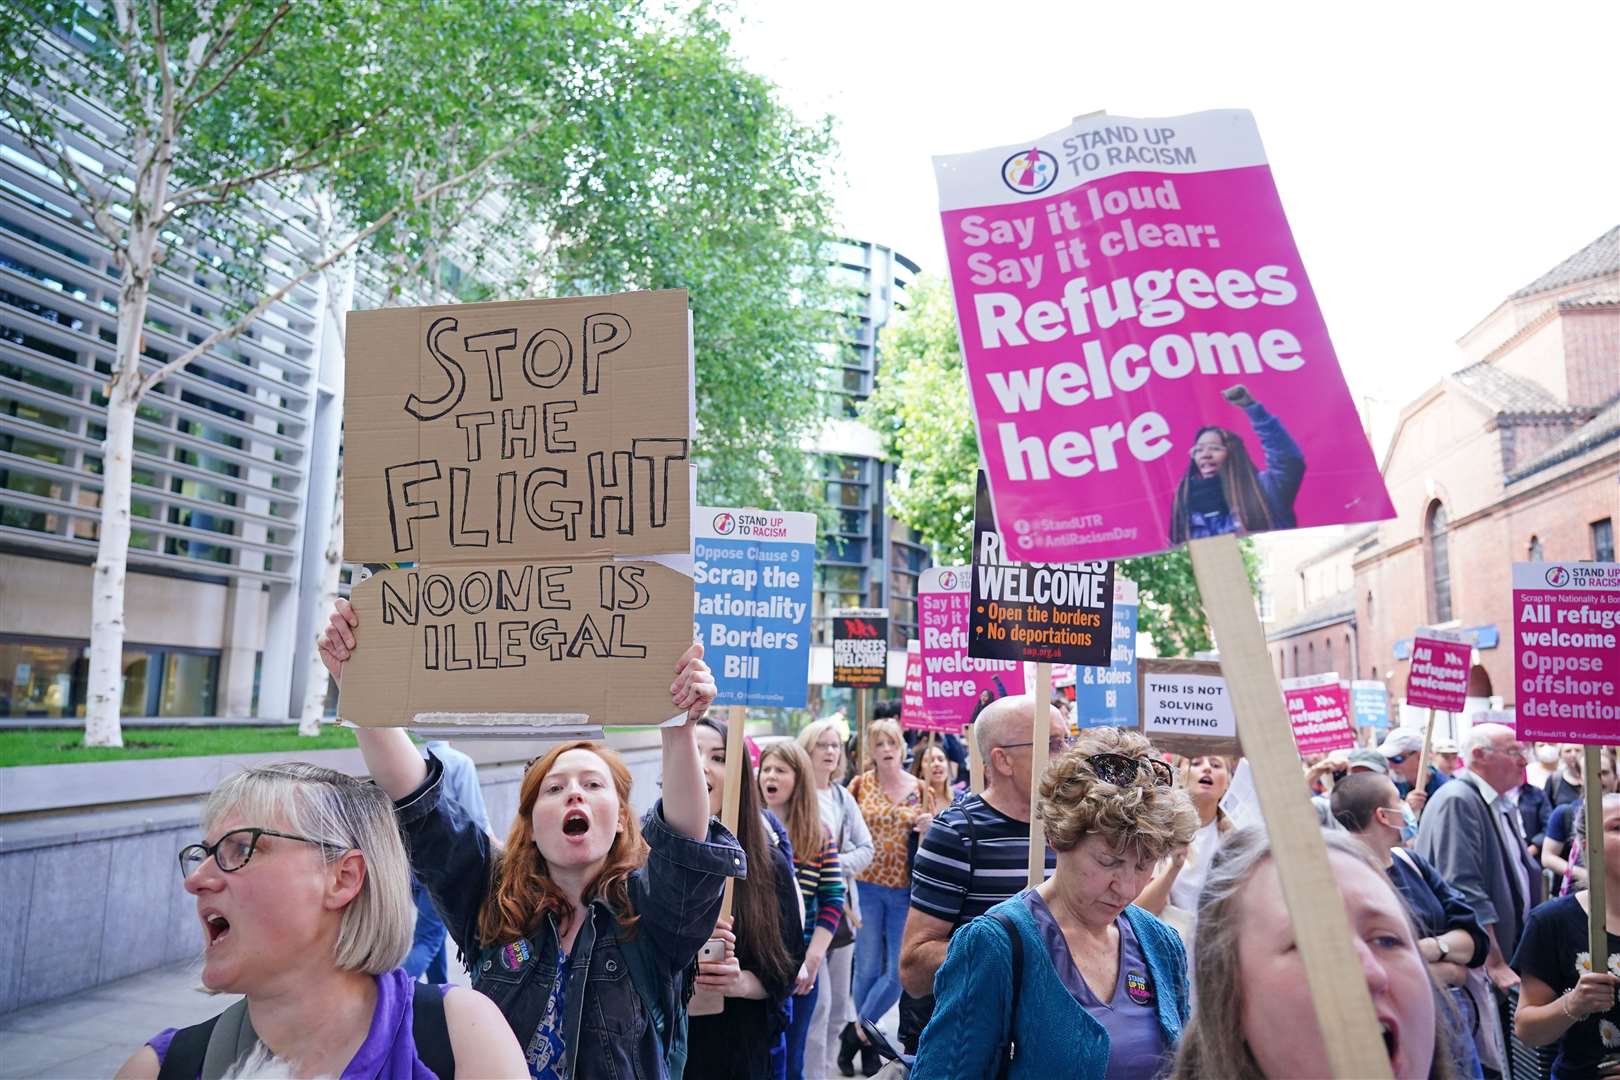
(1444, 947)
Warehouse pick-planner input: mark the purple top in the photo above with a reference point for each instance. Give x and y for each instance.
(1130, 1016)
(389, 1052)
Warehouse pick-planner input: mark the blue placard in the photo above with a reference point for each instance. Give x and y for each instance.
(752, 570)
(1369, 704)
(1106, 697)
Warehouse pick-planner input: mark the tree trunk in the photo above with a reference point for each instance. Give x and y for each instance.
(315, 698)
(105, 691)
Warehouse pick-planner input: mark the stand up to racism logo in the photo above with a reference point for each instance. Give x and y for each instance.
(1030, 172)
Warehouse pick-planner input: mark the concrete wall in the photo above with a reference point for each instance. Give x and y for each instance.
(94, 895)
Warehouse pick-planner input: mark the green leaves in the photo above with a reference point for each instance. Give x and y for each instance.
(921, 409)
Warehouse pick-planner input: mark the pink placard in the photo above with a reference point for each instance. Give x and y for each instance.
(912, 706)
(1319, 713)
(955, 685)
(1438, 678)
(1128, 292)
(1566, 651)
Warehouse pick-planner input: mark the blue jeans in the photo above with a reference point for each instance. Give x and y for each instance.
(800, 1009)
(877, 949)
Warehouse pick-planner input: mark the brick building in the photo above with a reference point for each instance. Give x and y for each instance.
(1514, 457)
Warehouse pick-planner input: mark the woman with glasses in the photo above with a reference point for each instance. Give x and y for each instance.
(581, 926)
(304, 897)
(1101, 986)
(832, 1023)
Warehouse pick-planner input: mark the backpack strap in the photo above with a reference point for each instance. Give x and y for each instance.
(1016, 940)
(431, 1031)
(186, 1051)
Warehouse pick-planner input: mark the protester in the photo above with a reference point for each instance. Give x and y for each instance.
(1447, 758)
(934, 770)
(579, 896)
(1564, 785)
(891, 801)
(1402, 748)
(833, 1021)
(430, 954)
(1223, 492)
(1205, 778)
(1255, 1018)
(1472, 836)
(1452, 941)
(1560, 851)
(765, 931)
(1535, 813)
(304, 898)
(1561, 999)
(1543, 763)
(1102, 985)
(789, 789)
(975, 854)
(1367, 760)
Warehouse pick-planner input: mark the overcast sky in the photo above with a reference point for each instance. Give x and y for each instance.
(1432, 158)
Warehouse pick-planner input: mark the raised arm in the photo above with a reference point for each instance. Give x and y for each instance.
(393, 760)
(686, 796)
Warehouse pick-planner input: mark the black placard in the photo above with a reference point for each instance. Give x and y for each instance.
(860, 649)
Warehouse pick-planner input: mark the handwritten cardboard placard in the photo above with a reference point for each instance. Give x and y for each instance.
(1040, 612)
(1106, 697)
(1185, 707)
(1146, 359)
(1319, 712)
(521, 460)
(956, 686)
(1566, 651)
(1438, 678)
(753, 569)
(860, 648)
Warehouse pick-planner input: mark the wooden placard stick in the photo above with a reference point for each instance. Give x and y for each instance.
(736, 719)
(862, 754)
(1040, 733)
(975, 762)
(1422, 781)
(1344, 1011)
(1597, 917)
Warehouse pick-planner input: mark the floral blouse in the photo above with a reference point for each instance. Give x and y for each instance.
(890, 824)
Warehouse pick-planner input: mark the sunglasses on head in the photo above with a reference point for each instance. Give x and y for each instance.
(1122, 771)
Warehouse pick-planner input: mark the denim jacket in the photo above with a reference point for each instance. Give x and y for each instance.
(608, 1029)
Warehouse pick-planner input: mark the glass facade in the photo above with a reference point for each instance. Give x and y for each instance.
(46, 677)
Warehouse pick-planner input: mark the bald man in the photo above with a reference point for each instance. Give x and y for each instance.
(976, 852)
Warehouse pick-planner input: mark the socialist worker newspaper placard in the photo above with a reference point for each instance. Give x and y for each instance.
(1146, 359)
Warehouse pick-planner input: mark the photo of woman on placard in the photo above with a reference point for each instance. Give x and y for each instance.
(1223, 492)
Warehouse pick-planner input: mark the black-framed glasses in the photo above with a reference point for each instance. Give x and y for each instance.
(1057, 745)
(1122, 771)
(232, 851)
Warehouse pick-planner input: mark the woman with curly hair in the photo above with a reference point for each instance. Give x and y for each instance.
(1223, 492)
(581, 927)
(1101, 986)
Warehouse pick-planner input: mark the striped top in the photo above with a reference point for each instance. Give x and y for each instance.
(971, 859)
(821, 883)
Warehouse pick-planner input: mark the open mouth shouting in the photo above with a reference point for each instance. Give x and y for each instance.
(215, 925)
(770, 789)
(1392, 1038)
(576, 823)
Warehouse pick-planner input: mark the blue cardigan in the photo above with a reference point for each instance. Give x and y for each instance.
(1053, 1033)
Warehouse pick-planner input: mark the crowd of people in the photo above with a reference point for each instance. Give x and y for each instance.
(865, 873)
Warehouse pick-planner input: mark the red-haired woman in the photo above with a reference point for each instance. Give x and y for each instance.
(581, 927)
(1223, 492)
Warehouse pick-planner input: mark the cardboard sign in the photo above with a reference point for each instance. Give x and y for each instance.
(1319, 713)
(1369, 702)
(1438, 678)
(517, 457)
(753, 571)
(1119, 285)
(1106, 697)
(1041, 612)
(1185, 708)
(1566, 651)
(860, 648)
(956, 686)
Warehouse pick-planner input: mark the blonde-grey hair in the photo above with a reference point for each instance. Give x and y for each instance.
(1213, 1044)
(345, 814)
(812, 734)
(1149, 817)
(887, 726)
